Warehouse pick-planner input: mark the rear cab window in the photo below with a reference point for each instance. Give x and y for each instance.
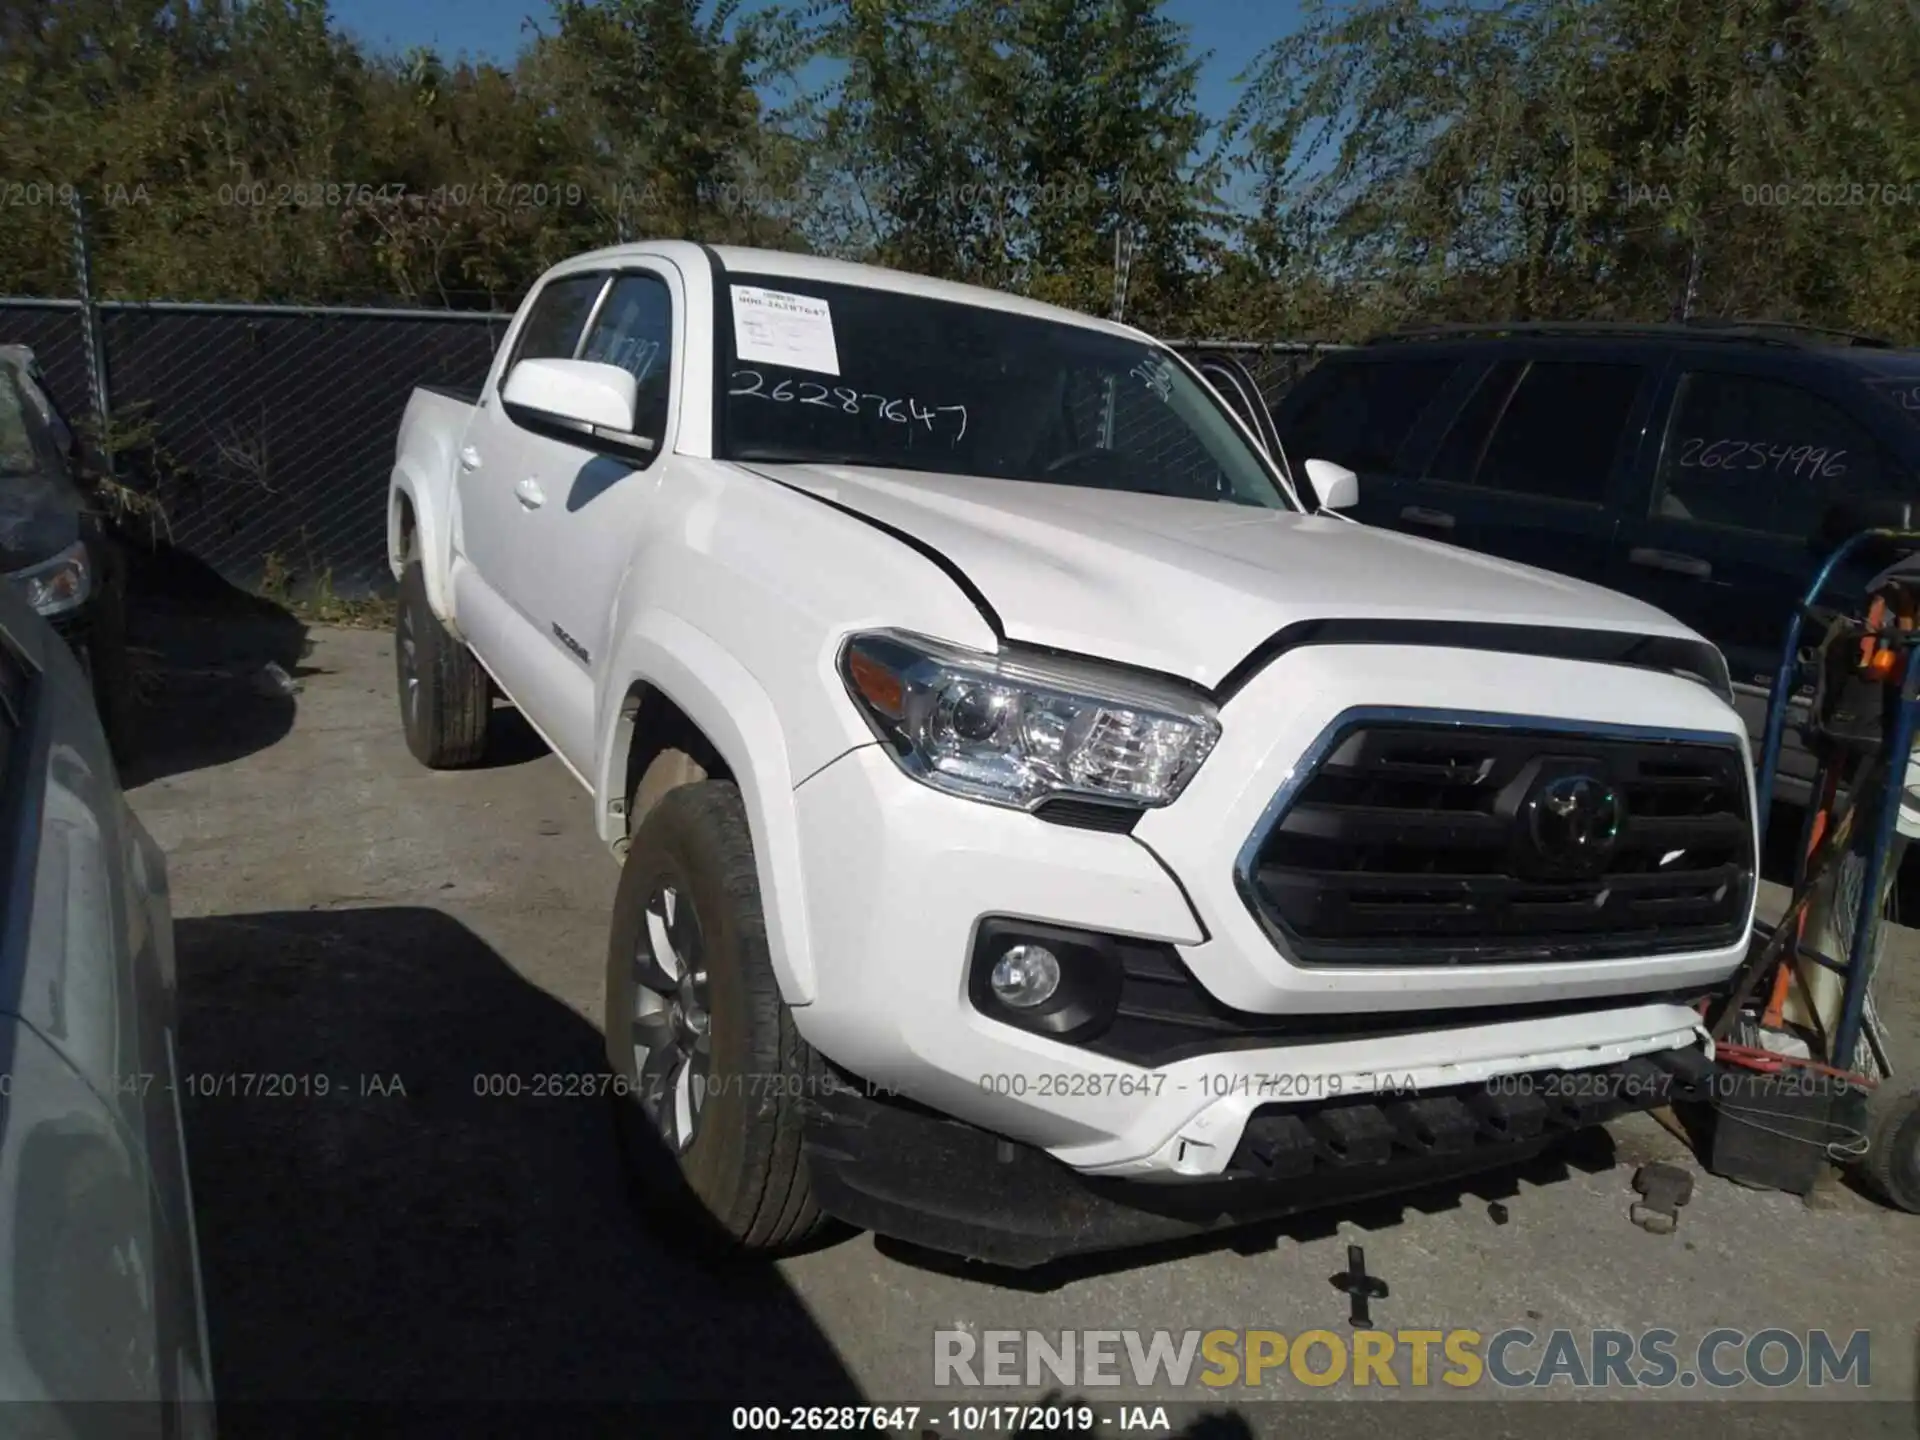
(1760, 454)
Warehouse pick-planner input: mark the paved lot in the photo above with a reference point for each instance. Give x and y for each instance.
(351, 920)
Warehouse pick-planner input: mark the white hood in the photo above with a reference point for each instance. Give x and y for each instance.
(1190, 587)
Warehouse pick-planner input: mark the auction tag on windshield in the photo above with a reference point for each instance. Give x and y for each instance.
(778, 328)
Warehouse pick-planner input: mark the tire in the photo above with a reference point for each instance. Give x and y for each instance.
(444, 694)
(1892, 1166)
(720, 1157)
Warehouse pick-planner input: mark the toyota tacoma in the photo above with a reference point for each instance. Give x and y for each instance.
(1046, 823)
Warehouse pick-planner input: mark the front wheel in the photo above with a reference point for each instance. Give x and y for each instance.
(712, 1077)
(444, 692)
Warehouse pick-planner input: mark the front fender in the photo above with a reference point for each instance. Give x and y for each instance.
(737, 715)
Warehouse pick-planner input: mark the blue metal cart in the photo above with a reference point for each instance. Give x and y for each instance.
(1861, 724)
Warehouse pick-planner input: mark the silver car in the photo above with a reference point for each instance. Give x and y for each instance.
(99, 1266)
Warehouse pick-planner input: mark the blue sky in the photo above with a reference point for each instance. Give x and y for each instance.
(1234, 30)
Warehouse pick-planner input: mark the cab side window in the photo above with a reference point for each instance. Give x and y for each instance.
(1747, 453)
(559, 314)
(634, 330)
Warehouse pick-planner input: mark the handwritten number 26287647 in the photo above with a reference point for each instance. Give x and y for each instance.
(900, 410)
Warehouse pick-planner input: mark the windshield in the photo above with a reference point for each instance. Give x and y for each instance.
(1903, 391)
(845, 375)
(19, 454)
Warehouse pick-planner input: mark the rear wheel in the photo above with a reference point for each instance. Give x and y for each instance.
(712, 1075)
(444, 692)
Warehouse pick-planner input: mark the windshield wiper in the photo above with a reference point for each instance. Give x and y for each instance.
(803, 455)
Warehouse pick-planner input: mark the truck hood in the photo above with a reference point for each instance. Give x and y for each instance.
(1190, 587)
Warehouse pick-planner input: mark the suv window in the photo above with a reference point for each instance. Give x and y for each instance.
(1460, 449)
(1555, 435)
(1901, 391)
(634, 330)
(1754, 454)
(1357, 414)
(553, 326)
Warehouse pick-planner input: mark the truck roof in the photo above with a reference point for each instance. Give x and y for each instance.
(789, 265)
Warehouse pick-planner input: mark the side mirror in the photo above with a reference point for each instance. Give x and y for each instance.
(1334, 486)
(580, 401)
(1845, 519)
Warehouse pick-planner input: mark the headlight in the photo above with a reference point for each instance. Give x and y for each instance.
(57, 585)
(1017, 729)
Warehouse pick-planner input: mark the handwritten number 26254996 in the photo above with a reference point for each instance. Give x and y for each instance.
(904, 410)
(1816, 461)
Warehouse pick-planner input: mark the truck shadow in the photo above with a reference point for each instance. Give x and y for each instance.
(510, 739)
(424, 1204)
(209, 668)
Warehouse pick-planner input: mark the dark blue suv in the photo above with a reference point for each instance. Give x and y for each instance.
(1689, 465)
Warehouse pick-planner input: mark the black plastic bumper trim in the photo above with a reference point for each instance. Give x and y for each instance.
(901, 1170)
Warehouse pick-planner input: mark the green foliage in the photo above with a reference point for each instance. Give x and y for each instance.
(1008, 142)
(1397, 158)
(1603, 158)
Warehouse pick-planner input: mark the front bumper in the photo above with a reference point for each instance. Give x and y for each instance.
(899, 878)
(907, 1172)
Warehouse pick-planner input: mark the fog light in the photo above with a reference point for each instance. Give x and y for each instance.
(1026, 976)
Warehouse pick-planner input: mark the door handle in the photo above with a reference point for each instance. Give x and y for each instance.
(1421, 515)
(469, 458)
(1691, 566)
(529, 493)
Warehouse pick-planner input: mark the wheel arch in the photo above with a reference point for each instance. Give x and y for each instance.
(676, 688)
(415, 532)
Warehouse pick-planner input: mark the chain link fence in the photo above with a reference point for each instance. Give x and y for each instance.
(259, 439)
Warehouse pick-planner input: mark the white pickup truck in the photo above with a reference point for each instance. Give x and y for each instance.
(1046, 826)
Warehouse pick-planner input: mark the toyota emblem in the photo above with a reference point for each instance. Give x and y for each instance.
(1574, 822)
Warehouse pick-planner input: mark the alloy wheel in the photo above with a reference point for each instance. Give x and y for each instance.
(409, 655)
(671, 1020)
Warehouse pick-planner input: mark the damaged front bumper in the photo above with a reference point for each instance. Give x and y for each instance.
(902, 1170)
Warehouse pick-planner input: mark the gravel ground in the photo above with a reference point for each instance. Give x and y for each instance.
(388, 935)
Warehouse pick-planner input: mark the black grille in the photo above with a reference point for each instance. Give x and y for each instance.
(1413, 844)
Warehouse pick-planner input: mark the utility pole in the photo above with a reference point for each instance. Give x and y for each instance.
(1122, 267)
(90, 337)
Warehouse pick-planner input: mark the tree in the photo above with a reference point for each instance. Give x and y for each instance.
(1008, 142)
(1618, 157)
(657, 100)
